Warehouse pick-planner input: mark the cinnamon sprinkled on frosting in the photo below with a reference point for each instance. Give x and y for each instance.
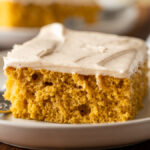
(63, 50)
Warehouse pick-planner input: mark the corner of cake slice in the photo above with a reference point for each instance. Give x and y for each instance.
(66, 76)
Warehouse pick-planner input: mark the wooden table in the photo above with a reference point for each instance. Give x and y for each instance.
(142, 29)
(141, 146)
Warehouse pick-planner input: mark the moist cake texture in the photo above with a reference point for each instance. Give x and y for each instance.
(67, 76)
(26, 13)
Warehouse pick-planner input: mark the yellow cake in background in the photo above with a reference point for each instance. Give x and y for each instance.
(36, 13)
(66, 76)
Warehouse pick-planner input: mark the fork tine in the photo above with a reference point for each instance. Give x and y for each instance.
(4, 104)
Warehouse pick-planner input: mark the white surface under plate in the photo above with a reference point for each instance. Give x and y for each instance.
(42, 135)
(11, 36)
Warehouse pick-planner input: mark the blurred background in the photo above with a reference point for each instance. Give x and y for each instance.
(20, 20)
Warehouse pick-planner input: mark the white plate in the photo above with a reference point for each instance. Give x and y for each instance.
(42, 135)
(121, 23)
(11, 36)
(115, 5)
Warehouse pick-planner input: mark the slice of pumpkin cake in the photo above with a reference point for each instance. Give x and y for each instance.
(36, 13)
(66, 76)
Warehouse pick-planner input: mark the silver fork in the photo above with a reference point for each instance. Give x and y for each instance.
(4, 105)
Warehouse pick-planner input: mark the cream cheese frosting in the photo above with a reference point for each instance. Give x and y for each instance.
(89, 53)
(47, 2)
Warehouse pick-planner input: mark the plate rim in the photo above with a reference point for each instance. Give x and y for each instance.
(6, 29)
(37, 124)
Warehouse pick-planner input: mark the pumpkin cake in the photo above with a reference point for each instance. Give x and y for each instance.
(66, 76)
(27, 13)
